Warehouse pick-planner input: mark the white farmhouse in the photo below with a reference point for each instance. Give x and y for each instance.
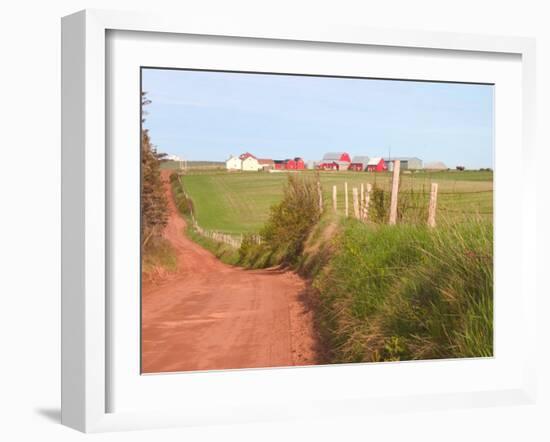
(233, 163)
(251, 164)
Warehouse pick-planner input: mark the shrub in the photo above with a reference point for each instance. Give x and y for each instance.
(154, 209)
(288, 226)
(174, 176)
(183, 203)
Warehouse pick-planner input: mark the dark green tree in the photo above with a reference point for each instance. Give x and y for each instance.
(154, 209)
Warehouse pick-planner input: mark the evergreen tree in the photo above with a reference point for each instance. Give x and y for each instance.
(154, 210)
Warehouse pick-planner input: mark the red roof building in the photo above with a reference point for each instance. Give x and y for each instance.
(300, 165)
(290, 165)
(377, 165)
(245, 155)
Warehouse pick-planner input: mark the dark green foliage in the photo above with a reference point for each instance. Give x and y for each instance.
(154, 211)
(256, 256)
(290, 221)
(183, 203)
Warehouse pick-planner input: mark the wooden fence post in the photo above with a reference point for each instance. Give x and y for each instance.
(356, 203)
(346, 198)
(433, 205)
(334, 198)
(365, 215)
(394, 191)
(320, 192)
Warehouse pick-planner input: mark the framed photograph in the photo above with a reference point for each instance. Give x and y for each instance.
(264, 224)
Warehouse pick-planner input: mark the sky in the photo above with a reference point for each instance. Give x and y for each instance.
(209, 116)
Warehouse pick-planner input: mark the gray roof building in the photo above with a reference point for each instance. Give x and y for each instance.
(363, 159)
(333, 156)
(406, 162)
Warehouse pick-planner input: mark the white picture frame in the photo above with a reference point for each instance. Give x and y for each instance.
(85, 198)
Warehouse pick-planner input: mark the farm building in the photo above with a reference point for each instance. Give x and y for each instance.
(233, 163)
(377, 164)
(407, 163)
(170, 157)
(246, 155)
(266, 163)
(335, 161)
(336, 156)
(359, 163)
(251, 164)
(294, 164)
(300, 164)
(289, 164)
(328, 165)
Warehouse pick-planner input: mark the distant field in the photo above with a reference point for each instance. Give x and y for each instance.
(239, 202)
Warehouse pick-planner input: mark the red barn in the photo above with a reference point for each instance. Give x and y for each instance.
(329, 165)
(279, 164)
(300, 165)
(290, 165)
(377, 164)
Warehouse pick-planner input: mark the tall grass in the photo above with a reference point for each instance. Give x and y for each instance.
(224, 252)
(412, 205)
(408, 292)
(158, 253)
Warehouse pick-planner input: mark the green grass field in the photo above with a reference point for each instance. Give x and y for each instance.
(239, 202)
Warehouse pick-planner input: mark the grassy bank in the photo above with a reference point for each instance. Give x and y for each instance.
(405, 292)
(158, 256)
(222, 251)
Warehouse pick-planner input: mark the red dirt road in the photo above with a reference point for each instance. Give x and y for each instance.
(211, 316)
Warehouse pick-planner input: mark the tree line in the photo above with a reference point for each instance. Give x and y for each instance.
(154, 208)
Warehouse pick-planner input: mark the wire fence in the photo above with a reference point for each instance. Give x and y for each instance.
(232, 240)
(410, 205)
